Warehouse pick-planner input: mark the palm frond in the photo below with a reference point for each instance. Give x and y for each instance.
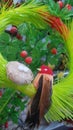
(56, 23)
(25, 13)
(62, 98)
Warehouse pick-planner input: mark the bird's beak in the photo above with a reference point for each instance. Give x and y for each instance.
(39, 69)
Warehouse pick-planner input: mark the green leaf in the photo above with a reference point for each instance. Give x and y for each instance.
(6, 98)
(69, 2)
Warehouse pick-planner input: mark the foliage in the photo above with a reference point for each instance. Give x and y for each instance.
(11, 104)
(37, 41)
(43, 42)
(55, 10)
(69, 2)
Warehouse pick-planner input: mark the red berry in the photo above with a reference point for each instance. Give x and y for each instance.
(54, 51)
(0, 93)
(6, 125)
(18, 36)
(13, 30)
(69, 7)
(61, 4)
(28, 60)
(23, 54)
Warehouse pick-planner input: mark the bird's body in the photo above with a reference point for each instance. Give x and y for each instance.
(41, 102)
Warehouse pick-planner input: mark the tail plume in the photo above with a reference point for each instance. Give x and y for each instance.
(39, 104)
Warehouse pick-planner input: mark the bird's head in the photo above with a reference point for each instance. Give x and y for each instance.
(46, 71)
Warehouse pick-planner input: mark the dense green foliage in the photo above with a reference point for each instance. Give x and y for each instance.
(37, 40)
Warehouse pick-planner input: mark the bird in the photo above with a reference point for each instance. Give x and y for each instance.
(42, 100)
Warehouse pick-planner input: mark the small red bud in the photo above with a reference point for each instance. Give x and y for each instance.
(6, 125)
(69, 7)
(23, 54)
(18, 36)
(0, 93)
(61, 4)
(13, 30)
(54, 51)
(28, 60)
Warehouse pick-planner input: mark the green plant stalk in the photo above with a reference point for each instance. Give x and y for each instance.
(6, 82)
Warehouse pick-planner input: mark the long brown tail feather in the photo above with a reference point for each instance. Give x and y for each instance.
(32, 118)
(39, 104)
(45, 99)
